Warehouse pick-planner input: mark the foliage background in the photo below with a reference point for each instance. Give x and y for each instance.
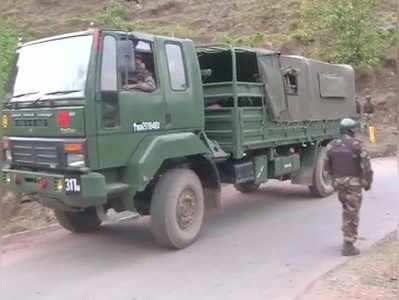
(345, 31)
(9, 35)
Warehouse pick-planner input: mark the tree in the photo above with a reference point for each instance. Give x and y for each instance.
(346, 31)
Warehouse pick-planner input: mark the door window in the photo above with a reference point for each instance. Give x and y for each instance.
(109, 84)
(138, 72)
(108, 68)
(177, 70)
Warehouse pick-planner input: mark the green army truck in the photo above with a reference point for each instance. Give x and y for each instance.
(78, 139)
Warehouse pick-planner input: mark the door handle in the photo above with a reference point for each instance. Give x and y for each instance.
(168, 118)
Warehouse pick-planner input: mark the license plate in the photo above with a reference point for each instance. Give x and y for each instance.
(72, 185)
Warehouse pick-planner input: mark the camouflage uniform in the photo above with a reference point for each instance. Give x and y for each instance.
(142, 80)
(349, 165)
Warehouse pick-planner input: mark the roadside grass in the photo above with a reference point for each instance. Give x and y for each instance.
(374, 275)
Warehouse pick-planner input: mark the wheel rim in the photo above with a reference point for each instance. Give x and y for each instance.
(186, 209)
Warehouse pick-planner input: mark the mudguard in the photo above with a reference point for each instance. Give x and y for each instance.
(305, 174)
(154, 150)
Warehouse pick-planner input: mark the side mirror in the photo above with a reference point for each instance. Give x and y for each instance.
(126, 57)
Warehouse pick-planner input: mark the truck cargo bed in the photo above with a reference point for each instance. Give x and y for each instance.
(238, 130)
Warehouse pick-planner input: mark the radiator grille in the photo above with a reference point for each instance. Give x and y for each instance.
(35, 153)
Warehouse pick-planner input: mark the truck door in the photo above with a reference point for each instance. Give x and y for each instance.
(182, 85)
(127, 112)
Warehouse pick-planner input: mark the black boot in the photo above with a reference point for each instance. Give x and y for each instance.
(349, 249)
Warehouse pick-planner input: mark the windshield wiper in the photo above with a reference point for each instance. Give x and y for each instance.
(51, 93)
(61, 92)
(25, 94)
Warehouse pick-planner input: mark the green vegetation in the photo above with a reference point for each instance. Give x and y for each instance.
(8, 42)
(344, 31)
(347, 31)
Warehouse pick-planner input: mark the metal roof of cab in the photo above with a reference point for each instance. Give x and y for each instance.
(138, 35)
(61, 36)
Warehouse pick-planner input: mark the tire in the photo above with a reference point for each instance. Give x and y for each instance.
(169, 227)
(322, 185)
(84, 221)
(247, 187)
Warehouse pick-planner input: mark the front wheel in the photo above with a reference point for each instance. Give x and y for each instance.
(177, 209)
(87, 220)
(322, 182)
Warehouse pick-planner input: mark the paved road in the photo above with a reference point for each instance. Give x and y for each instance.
(268, 245)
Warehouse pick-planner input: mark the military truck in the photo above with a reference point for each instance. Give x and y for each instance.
(78, 139)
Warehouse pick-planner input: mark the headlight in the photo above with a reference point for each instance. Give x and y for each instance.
(5, 145)
(8, 155)
(6, 178)
(76, 160)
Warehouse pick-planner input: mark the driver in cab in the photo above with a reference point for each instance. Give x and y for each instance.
(141, 79)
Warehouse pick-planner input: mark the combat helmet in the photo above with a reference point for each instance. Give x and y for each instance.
(347, 126)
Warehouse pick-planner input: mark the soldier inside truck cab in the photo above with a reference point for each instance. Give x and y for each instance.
(141, 78)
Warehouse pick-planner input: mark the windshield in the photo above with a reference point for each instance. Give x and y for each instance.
(56, 67)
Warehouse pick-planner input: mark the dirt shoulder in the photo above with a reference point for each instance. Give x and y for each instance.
(374, 275)
(15, 217)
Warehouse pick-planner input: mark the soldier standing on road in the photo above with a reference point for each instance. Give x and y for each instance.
(368, 110)
(349, 165)
(358, 107)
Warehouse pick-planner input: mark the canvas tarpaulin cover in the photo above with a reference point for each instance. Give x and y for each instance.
(270, 72)
(322, 91)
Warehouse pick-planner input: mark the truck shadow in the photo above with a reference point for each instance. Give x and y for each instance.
(129, 242)
(264, 204)
(238, 208)
(285, 191)
(135, 234)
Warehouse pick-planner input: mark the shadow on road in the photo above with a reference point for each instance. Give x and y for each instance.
(131, 240)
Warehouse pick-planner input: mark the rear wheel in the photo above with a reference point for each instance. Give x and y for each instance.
(247, 187)
(177, 209)
(87, 220)
(322, 182)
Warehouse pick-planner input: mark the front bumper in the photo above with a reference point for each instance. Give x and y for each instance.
(92, 189)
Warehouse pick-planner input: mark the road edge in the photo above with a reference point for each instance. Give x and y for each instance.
(394, 235)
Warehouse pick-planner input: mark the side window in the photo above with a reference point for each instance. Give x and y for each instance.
(177, 70)
(291, 81)
(109, 84)
(108, 67)
(138, 72)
